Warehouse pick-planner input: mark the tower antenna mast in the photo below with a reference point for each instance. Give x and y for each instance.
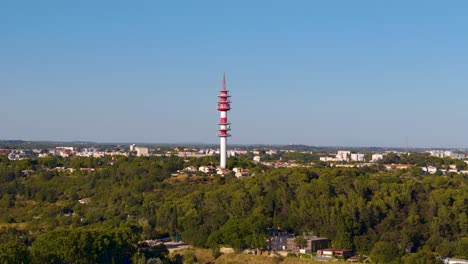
(224, 105)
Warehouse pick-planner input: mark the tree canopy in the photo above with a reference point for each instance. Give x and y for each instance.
(392, 216)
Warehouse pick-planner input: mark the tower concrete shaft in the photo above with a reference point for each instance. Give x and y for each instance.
(224, 105)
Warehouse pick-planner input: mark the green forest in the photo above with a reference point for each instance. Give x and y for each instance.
(398, 216)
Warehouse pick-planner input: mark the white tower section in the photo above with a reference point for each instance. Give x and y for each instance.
(224, 105)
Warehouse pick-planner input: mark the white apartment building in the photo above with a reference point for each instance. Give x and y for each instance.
(357, 157)
(343, 155)
(376, 157)
(455, 261)
(327, 159)
(142, 151)
(446, 154)
(272, 152)
(430, 169)
(132, 147)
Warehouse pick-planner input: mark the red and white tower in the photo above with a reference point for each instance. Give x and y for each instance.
(224, 105)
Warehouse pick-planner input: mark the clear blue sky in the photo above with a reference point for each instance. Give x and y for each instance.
(355, 73)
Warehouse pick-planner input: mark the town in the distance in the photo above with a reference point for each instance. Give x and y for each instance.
(281, 156)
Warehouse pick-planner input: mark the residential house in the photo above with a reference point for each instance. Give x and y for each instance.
(242, 173)
(207, 169)
(430, 169)
(221, 171)
(191, 169)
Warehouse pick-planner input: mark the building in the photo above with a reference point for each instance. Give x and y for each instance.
(132, 147)
(20, 155)
(221, 171)
(376, 157)
(191, 154)
(430, 169)
(5, 151)
(317, 243)
(327, 159)
(241, 173)
(278, 239)
(333, 252)
(343, 155)
(256, 158)
(397, 166)
(446, 154)
(313, 244)
(207, 169)
(357, 157)
(454, 155)
(224, 105)
(142, 151)
(63, 152)
(191, 169)
(241, 152)
(455, 261)
(66, 148)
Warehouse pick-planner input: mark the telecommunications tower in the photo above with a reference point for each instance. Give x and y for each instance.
(224, 105)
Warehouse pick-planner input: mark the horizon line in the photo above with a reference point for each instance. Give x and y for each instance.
(235, 144)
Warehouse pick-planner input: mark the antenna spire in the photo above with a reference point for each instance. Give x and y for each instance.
(224, 81)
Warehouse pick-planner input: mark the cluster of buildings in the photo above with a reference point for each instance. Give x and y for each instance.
(195, 153)
(283, 241)
(139, 151)
(451, 169)
(447, 154)
(344, 156)
(282, 164)
(238, 172)
(21, 154)
(348, 156)
(65, 152)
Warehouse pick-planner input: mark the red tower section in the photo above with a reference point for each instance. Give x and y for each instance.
(224, 105)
